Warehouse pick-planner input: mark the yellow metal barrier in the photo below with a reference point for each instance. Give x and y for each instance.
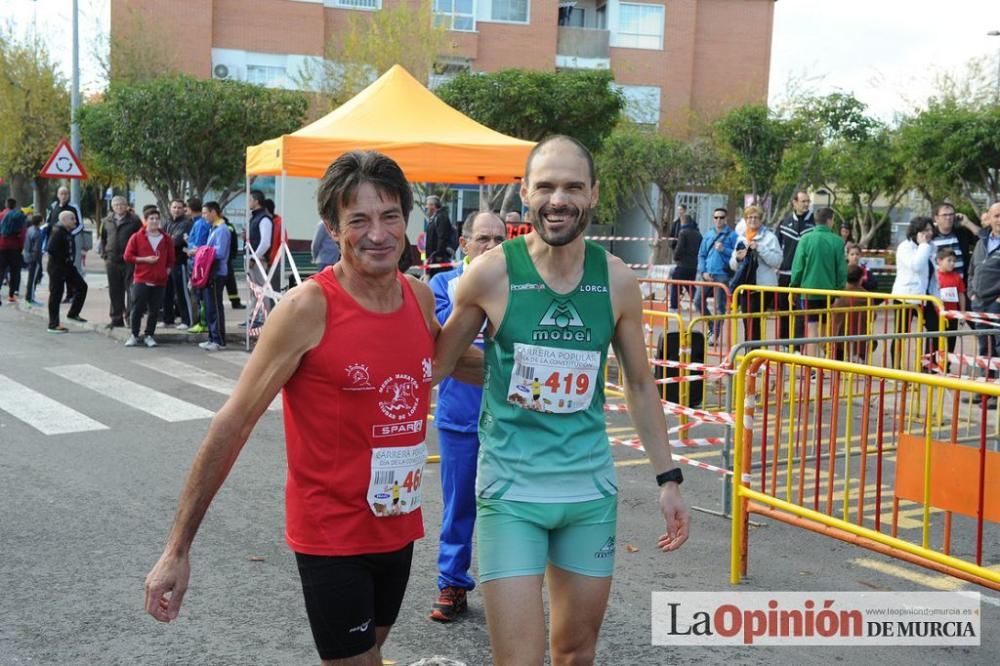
(954, 486)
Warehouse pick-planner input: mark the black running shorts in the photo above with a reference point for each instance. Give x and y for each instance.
(347, 597)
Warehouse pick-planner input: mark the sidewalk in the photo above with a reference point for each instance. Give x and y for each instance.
(96, 308)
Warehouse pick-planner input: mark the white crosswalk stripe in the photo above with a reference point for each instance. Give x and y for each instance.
(41, 412)
(162, 406)
(197, 376)
(235, 357)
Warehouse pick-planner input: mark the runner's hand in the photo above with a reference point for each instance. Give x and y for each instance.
(169, 576)
(675, 512)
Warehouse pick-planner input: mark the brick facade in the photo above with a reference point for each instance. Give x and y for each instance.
(716, 53)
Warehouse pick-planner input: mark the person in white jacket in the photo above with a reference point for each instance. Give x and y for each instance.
(758, 238)
(914, 271)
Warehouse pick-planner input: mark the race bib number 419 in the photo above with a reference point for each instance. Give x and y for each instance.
(557, 381)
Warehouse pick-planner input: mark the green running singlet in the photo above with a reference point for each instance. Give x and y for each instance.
(542, 430)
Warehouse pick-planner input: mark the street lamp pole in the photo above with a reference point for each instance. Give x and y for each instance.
(74, 103)
(996, 94)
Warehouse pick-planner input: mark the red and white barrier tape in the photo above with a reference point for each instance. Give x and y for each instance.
(707, 369)
(978, 317)
(685, 443)
(717, 418)
(686, 461)
(966, 360)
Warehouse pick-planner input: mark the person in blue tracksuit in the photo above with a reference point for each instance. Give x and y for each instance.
(456, 418)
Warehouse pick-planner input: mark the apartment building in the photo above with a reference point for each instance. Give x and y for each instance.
(679, 62)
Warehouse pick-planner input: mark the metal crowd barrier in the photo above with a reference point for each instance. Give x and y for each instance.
(846, 455)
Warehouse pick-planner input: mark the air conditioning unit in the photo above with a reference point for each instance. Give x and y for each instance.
(221, 71)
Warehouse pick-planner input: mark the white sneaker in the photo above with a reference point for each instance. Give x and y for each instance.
(132, 341)
(205, 344)
(181, 327)
(150, 342)
(211, 346)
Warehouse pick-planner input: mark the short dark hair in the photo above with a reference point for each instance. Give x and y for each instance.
(12, 203)
(584, 152)
(194, 203)
(945, 252)
(351, 170)
(941, 206)
(269, 205)
(824, 215)
(917, 225)
(36, 219)
(721, 210)
(214, 207)
(149, 209)
(258, 196)
(180, 201)
(854, 274)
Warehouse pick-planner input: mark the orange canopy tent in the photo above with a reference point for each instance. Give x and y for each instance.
(399, 117)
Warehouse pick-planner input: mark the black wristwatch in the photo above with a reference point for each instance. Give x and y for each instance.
(670, 475)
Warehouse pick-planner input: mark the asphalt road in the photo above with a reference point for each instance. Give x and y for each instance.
(83, 516)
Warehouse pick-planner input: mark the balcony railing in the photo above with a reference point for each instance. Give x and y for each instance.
(582, 43)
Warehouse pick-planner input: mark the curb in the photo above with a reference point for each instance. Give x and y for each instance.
(121, 333)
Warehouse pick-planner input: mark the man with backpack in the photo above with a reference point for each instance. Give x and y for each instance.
(12, 228)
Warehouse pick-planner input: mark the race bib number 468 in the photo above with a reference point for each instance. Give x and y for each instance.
(557, 381)
(394, 489)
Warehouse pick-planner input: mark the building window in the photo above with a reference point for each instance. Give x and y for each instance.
(370, 5)
(642, 104)
(509, 11)
(455, 14)
(264, 75)
(639, 26)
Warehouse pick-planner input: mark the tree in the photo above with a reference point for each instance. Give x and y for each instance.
(180, 135)
(641, 168)
(953, 152)
(755, 140)
(868, 169)
(374, 42)
(531, 105)
(34, 112)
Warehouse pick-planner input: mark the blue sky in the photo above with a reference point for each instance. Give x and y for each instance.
(886, 52)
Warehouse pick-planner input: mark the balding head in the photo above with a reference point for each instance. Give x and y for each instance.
(481, 232)
(67, 219)
(63, 194)
(559, 144)
(513, 217)
(992, 218)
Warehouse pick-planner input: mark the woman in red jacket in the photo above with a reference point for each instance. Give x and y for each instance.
(153, 255)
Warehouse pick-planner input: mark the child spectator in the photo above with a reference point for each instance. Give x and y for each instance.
(152, 252)
(952, 288)
(868, 280)
(32, 256)
(857, 322)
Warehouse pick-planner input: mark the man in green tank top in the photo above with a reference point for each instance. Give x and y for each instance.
(546, 487)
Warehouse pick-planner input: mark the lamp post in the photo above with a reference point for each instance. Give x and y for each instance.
(996, 95)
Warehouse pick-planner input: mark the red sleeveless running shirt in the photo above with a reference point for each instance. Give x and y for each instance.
(359, 396)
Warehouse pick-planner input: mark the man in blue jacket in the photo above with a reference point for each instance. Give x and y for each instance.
(713, 264)
(458, 437)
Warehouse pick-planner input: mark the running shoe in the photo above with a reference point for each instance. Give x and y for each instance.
(150, 342)
(450, 604)
(77, 318)
(197, 328)
(58, 329)
(181, 327)
(12, 299)
(132, 341)
(211, 346)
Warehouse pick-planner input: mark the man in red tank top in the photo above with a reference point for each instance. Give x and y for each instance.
(358, 340)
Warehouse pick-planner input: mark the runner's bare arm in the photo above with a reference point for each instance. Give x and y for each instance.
(643, 400)
(295, 327)
(469, 365)
(467, 315)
